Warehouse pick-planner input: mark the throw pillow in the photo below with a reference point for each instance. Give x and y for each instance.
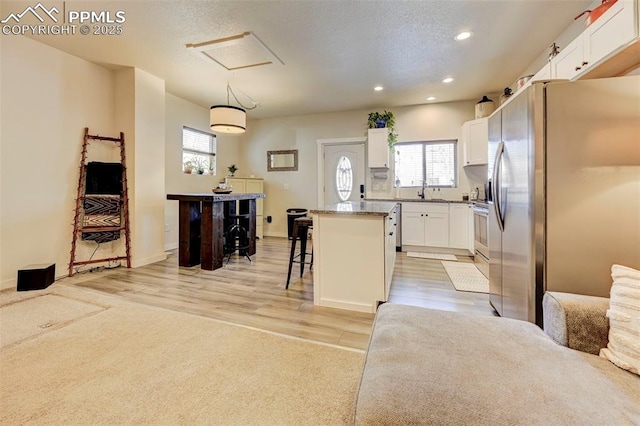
(623, 348)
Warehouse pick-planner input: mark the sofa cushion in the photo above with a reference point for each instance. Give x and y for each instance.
(433, 367)
(623, 348)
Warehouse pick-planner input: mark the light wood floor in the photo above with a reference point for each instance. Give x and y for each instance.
(253, 294)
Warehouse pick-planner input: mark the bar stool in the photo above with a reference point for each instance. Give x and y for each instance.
(236, 238)
(301, 228)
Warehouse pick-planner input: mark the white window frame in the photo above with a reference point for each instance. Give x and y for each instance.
(453, 142)
(211, 153)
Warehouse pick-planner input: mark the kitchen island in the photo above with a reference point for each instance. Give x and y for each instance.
(354, 247)
(203, 219)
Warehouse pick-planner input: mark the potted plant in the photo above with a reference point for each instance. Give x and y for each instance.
(232, 170)
(199, 165)
(188, 167)
(386, 119)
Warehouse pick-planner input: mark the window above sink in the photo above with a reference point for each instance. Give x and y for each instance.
(431, 162)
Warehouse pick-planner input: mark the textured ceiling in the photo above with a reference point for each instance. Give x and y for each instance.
(334, 52)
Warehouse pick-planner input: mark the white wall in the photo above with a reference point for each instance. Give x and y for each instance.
(299, 189)
(148, 192)
(48, 97)
(181, 113)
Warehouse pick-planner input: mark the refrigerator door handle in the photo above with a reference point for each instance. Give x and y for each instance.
(496, 187)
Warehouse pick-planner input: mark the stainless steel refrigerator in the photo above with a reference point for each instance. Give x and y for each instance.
(564, 162)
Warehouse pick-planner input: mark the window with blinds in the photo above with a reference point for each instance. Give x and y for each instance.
(198, 151)
(433, 162)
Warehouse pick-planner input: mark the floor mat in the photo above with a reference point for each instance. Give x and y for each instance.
(436, 256)
(466, 277)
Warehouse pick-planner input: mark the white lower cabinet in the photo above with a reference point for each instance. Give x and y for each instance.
(412, 227)
(425, 224)
(436, 229)
(445, 225)
(354, 259)
(390, 250)
(459, 225)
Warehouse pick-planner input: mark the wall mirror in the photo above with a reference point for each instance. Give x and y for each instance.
(282, 161)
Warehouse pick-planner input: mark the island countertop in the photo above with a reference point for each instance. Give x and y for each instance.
(213, 197)
(366, 208)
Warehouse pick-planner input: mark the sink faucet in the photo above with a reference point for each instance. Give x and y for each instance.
(422, 193)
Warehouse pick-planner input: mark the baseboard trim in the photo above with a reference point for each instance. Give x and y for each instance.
(136, 263)
(276, 234)
(443, 250)
(360, 307)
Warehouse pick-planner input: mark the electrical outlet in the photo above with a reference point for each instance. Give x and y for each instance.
(166, 227)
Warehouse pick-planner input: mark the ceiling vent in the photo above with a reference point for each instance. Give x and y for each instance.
(236, 52)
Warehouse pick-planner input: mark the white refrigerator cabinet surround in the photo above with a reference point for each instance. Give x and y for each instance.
(474, 141)
(354, 257)
(250, 186)
(378, 148)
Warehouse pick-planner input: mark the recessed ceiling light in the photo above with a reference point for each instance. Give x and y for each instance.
(431, 98)
(378, 88)
(463, 36)
(448, 80)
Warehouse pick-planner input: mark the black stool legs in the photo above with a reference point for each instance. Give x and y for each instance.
(237, 238)
(300, 230)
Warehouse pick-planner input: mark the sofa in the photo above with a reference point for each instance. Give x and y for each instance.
(426, 366)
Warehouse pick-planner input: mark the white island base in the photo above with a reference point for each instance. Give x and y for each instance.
(354, 254)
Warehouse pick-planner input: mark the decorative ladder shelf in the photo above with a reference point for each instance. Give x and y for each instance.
(80, 202)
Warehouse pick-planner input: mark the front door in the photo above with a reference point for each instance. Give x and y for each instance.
(343, 173)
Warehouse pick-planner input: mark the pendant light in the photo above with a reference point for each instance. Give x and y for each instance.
(228, 118)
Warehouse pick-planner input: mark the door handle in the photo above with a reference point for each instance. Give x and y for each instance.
(495, 188)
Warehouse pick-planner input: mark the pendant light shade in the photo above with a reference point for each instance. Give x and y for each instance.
(228, 119)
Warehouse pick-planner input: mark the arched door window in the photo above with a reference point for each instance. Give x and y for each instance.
(344, 178)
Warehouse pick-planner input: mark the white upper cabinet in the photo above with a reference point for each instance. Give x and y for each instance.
(475, 138)
(378, 148)
(543, 74)
(569, 62)
(611, 31)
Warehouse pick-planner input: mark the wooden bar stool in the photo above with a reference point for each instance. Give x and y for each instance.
(301, 228)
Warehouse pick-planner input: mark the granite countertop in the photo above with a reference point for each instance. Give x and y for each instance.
(419, 200)
(366, 208)
(212, 196)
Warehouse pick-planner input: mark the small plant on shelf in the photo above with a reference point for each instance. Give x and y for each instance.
(386, 119)
(232, 170)
(188, 167)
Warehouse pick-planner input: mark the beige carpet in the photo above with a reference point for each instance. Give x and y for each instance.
(466, 277)
(114, 362)
(436, 256)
